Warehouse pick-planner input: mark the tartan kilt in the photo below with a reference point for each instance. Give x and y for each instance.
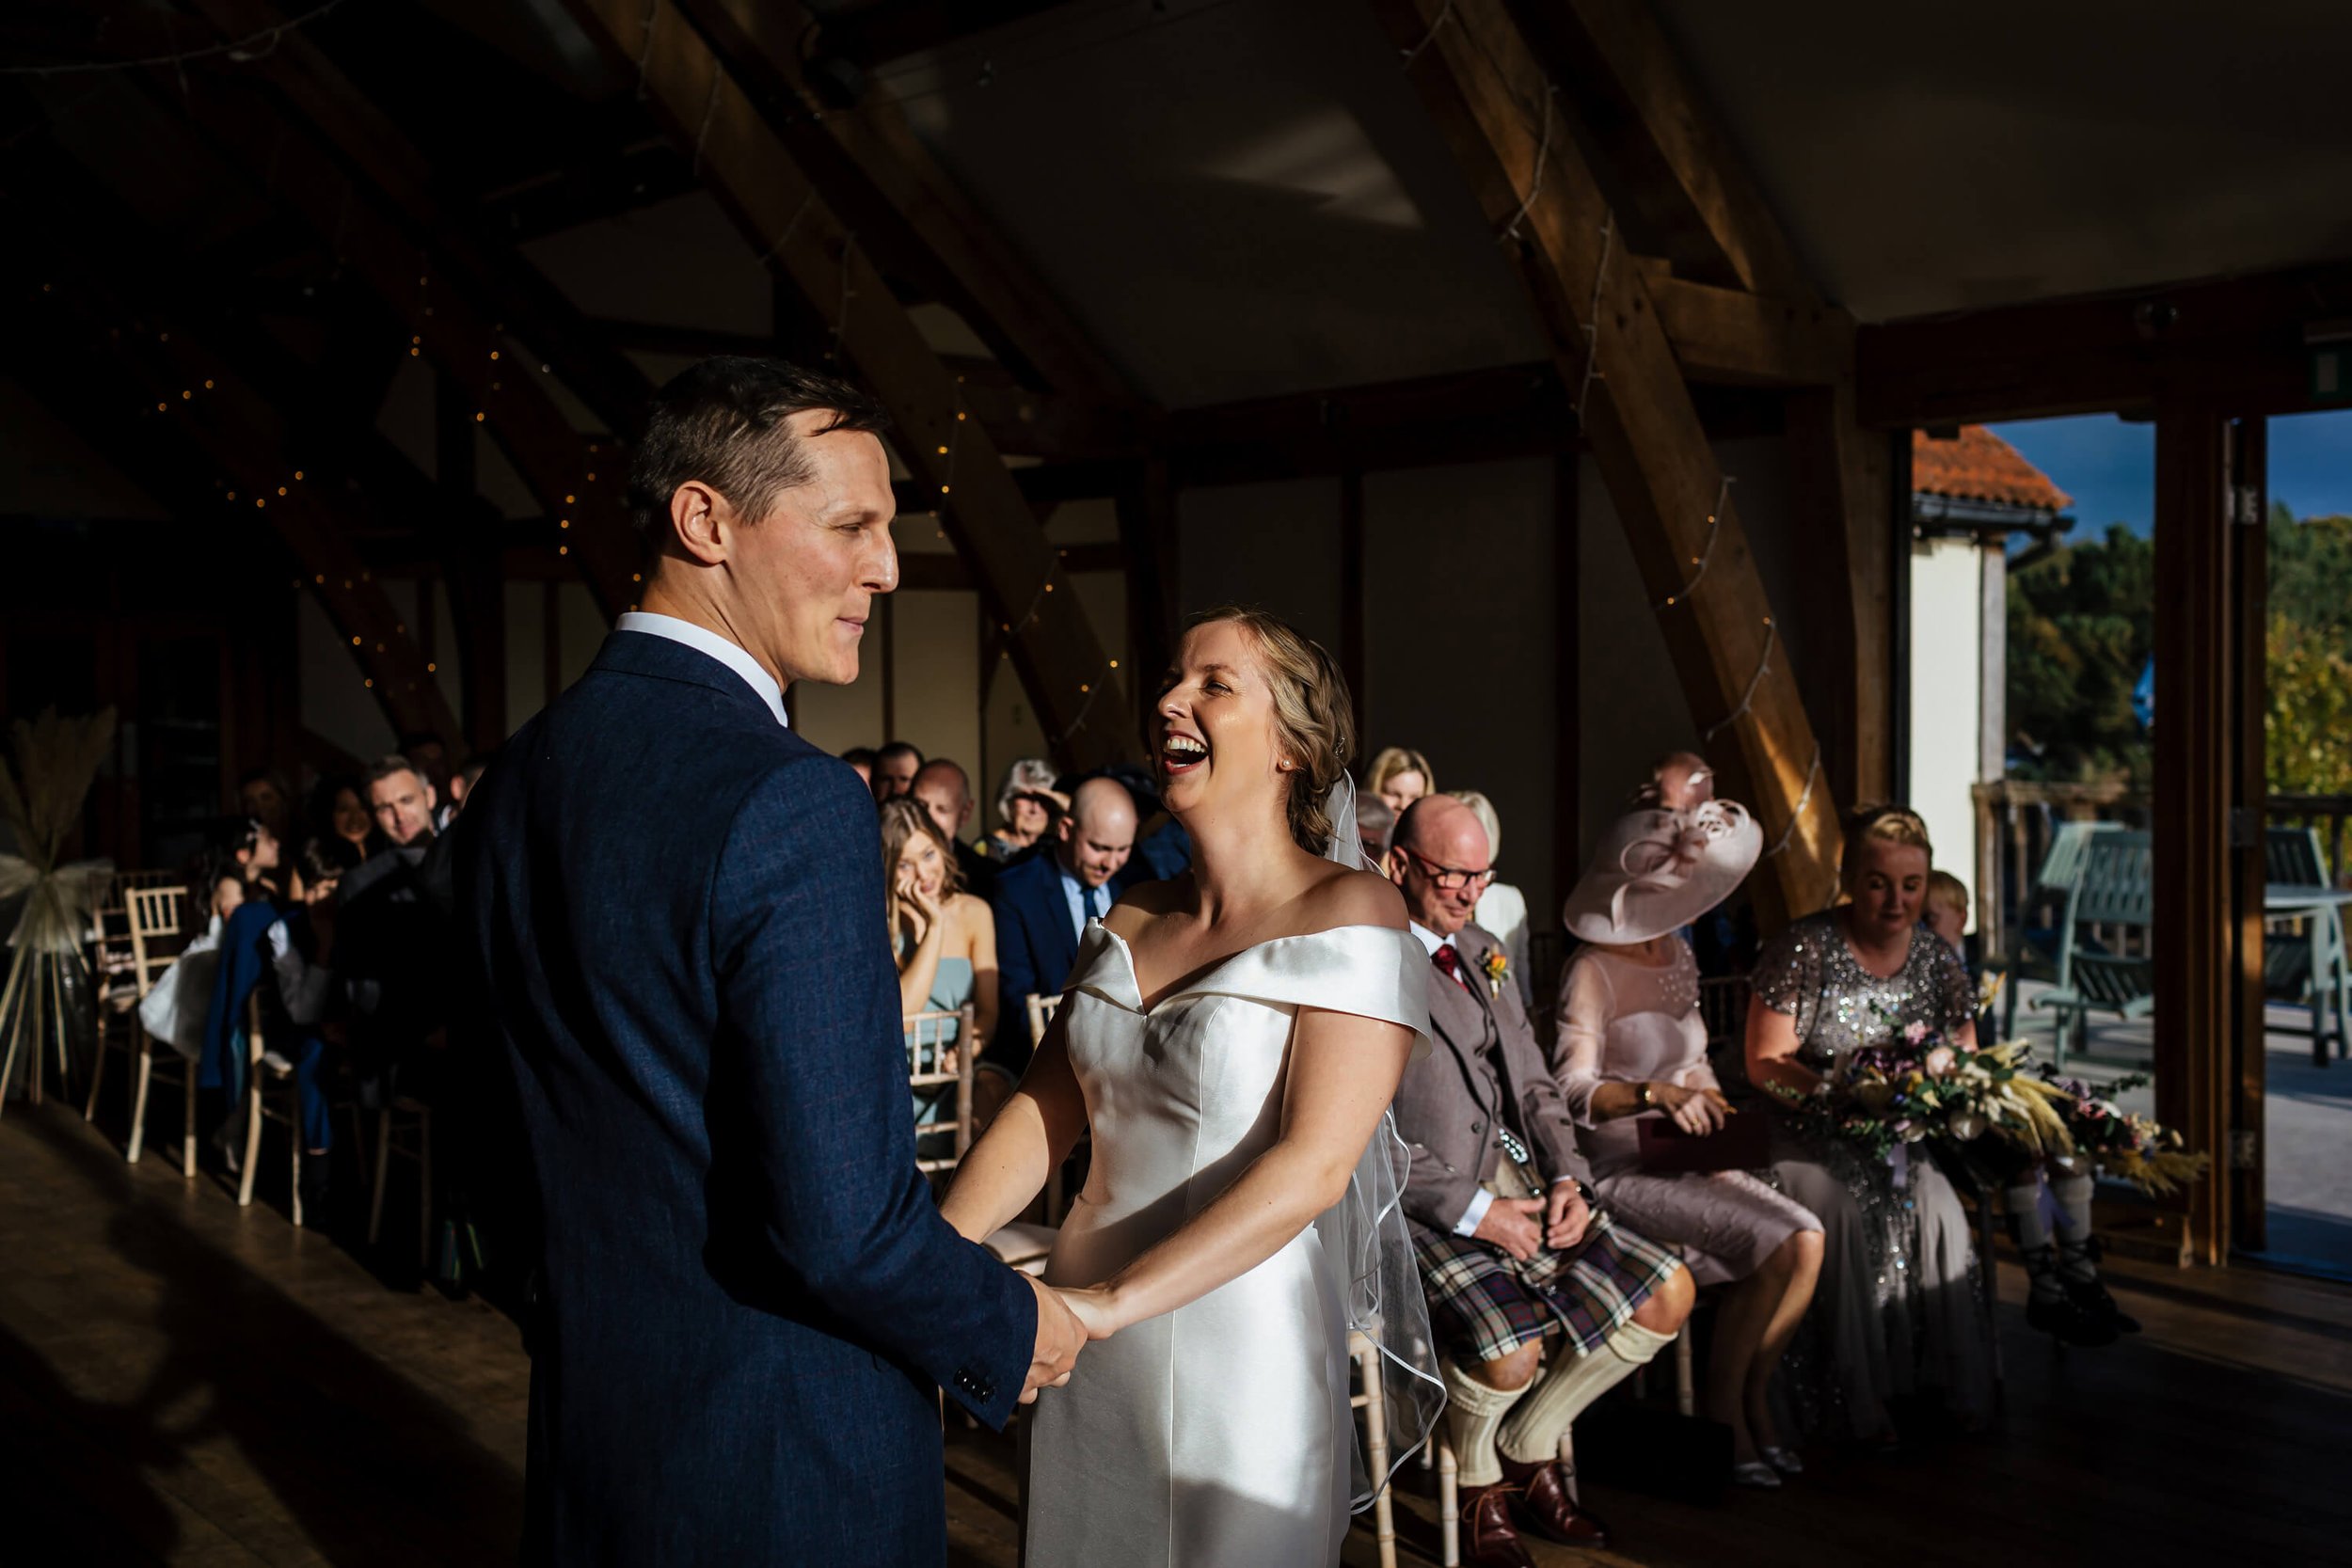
(1485, 1304)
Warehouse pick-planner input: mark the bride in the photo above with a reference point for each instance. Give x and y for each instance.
(1232, 1038)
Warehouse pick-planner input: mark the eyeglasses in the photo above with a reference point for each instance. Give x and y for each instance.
(1451, 878)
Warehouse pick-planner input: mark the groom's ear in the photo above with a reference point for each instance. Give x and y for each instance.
(700, 521)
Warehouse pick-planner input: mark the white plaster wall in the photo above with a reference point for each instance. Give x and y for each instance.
(1947, 615)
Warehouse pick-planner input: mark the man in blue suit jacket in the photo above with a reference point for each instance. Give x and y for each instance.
(1043, 902)
(748, 1296)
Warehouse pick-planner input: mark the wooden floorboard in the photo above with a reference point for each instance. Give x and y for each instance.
(184, 1381)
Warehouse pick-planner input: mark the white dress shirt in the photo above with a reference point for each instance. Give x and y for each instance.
(1481, 1199)
(704, 640)
(1086, 903)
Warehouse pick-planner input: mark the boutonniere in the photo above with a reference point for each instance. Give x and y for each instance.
(1497, 969)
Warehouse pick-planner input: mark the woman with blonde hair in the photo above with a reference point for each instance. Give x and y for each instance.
(1232, 1036)
(1897, 1308)
(944, 938)
(1400, 777)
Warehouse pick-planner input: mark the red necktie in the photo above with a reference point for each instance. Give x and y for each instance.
(1448, 961)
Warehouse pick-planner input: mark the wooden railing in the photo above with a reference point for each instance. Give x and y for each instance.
(2016, 818)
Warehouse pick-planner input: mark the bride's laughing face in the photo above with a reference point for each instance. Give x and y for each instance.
(1213, 730)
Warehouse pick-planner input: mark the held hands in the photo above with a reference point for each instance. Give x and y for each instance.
(1697, 1111)
(1092, 1306)
(1566, 1216)
(1060, 1335)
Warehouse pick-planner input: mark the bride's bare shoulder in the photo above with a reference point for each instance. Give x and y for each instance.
(1143, 902)
(1347, 897)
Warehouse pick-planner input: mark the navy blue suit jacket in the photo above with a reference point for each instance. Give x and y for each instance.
(748, 1292)
(1035, 943)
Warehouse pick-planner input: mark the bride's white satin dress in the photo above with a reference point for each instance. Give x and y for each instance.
(1216, 1436)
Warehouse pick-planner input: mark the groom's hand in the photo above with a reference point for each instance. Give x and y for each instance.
(1059, 1337)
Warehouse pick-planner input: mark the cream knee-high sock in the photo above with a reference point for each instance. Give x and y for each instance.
(1532, 1435)
(1473, 1412)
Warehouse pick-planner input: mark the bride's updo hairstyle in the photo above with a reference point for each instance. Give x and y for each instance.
(1313, 718)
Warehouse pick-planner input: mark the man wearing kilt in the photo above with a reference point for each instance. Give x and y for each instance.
(1514, 1249)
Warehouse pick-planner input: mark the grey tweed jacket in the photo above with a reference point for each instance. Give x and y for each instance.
(1485, 1071)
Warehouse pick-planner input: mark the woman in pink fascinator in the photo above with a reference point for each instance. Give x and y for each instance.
(1632, 1049)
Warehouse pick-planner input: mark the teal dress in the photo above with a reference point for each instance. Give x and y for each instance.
(952, 988)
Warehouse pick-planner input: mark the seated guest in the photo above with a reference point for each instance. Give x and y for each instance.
(1515, 1247)
(392, 942)
(424, 749)
(895, 767)
(1399, 777)
(342, 831)
(1631, 1048)
(1042, 907)
(1375, 822)
(1028, 805)
(862, 759)
(263, 794)
(264, 949)
(944, 789)
(1945, 911)
(1502, 909)
(1679, 781)
(1897, 1309)
(945, 939)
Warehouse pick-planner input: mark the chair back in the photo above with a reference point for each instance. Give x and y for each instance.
(1040, 1014)
(2118, 886)
(2070, 852)
(158, 921)
(940, 1053)
(2292, 858)
(1723, 1009)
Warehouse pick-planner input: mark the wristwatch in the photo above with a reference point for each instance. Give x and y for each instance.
(1643, 1098)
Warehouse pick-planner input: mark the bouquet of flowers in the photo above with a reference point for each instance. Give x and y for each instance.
(1919, 1087)
(2124, 1144)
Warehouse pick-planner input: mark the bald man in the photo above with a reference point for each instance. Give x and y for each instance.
(944, 789)
(1043, 903)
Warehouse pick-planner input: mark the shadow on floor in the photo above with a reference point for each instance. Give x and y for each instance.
(368, 1467)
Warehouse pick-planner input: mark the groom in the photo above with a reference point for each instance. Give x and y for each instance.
(749, 1297)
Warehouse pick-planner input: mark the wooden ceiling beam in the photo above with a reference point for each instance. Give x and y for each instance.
(1488, 98)
(877, 178)
(2242, 338)
(1061, 663)
(1653, 132)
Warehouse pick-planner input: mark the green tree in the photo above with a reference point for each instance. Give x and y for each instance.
(2306, 725)
(2081, 628)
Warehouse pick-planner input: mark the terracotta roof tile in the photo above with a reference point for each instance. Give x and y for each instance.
(1980, 467)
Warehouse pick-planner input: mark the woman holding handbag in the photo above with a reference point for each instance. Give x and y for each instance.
(1632, 1049)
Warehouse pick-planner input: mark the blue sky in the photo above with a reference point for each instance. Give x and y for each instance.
(2109, 466)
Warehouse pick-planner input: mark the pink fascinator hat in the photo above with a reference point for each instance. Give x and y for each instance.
(1656, 871)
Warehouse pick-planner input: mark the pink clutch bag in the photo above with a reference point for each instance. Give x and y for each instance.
(1745, 1143)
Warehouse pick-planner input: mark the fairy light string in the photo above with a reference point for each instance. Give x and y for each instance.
(1805, 798)
(1706, 547)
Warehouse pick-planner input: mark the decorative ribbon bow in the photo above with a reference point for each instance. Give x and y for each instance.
(1665, 859)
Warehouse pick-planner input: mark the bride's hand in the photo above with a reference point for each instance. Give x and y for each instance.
(1093, 1308)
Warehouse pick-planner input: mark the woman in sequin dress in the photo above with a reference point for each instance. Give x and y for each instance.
(1897, 1309)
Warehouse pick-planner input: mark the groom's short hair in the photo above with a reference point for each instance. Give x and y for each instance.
(725, 422)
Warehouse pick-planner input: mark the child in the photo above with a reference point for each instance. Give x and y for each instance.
(1946, 912)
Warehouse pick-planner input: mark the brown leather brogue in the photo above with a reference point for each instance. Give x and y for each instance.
(1489, 1540)
(1543, 1506)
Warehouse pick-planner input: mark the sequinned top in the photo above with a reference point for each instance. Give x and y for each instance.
(1809, 971)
